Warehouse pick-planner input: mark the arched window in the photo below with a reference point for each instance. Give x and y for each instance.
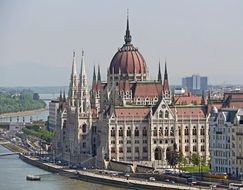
(186, 131)
(113, 132)
(202, 131)
(120, 132)
(144, 132)
(194, 131)
(171, 131)
(160, 114)
(166, 131)
(155, 131)
(160, 131)
(129, 132)
(166, 114)
(84, 127)
(179, 131)
(136, 132)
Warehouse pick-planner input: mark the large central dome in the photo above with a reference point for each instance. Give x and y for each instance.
(128, 60)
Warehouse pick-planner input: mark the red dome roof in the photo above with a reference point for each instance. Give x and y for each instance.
(128, 60)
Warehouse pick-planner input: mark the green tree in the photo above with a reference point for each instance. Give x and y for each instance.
(196, 159)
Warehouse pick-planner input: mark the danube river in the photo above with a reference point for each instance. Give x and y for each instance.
(13, 172)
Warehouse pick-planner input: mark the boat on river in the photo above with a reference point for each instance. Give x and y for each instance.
(33, 178)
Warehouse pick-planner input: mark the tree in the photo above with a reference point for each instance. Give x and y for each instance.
(196, 159)
(36, 96)
(172, 156)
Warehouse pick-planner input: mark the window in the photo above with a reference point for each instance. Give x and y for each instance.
(179, 131)
(194, 149)
(166, 114)
(84, 128)
(166, 131)
(120, 150)
(160, 131)
(194, 131)
(113, 142)
(120, 132)
(144, 132)
(120, 141)
(145, 149)
(113, 132)
(137, 149)
(155, 131)
(171, 131)
(136, 132)
(129, 149)
(128, 142)
(186, 148)
(202, 131)
(129, 132)
(202, 148)
(84, 144)
(160, 114)
(186, 131)
(136, 141)
(113, 150)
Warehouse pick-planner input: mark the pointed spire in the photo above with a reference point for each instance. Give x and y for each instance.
(159, 74)
(94, 75)
(166, 81)
(165, 74)
(64, 96)
(82, 76)
(128, 37)
(74, 71)
(60, 97)
(99, 77)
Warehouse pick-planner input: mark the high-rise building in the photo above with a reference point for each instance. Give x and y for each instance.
(196, 84)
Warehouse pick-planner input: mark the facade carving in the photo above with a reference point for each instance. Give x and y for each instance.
(128, 117)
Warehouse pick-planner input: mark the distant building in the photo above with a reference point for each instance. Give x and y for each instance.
(196, 84)
(226, 135)
(53, 106)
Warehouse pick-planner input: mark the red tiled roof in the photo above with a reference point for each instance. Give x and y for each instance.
(132, 112)
(147, 89)
(187, 99)
(190, 112)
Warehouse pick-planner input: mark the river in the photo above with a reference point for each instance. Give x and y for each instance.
(13, 172)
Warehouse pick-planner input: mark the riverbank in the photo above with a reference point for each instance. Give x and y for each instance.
(103, 179)
(23, 113)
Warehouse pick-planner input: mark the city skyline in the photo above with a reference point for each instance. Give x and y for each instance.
(38, 38)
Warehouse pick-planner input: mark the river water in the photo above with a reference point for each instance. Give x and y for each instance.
(13, 172)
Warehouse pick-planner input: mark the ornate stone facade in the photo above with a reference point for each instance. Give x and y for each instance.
(129, 117)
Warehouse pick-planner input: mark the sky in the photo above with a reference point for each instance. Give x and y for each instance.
(37, 38)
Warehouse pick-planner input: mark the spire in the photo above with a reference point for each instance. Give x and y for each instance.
(128, 37)
(64, 96)
(74, 71)
(159, 74)
(60, 97)
(82, 76)
(94, 75)
(99, 77)
(166, 81)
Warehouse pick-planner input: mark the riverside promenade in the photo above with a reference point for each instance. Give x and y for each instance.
(106, 179)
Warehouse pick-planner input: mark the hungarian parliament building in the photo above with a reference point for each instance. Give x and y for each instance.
(128, 118)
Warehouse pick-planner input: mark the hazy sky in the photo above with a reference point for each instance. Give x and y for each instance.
(37, 38)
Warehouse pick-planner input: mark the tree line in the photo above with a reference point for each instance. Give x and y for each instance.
(23, 101)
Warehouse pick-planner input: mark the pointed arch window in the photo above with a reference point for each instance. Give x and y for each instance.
(202, 131)
(129, 133)
(160, 131)
(120, 132)
(84, 128)
(186, 131)
(144, 132)
(155, 131)
(194, 131)
(160, 114)
(113, 132)
(171, 131)
(136, 132)
(166, 114)
(166, 131)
